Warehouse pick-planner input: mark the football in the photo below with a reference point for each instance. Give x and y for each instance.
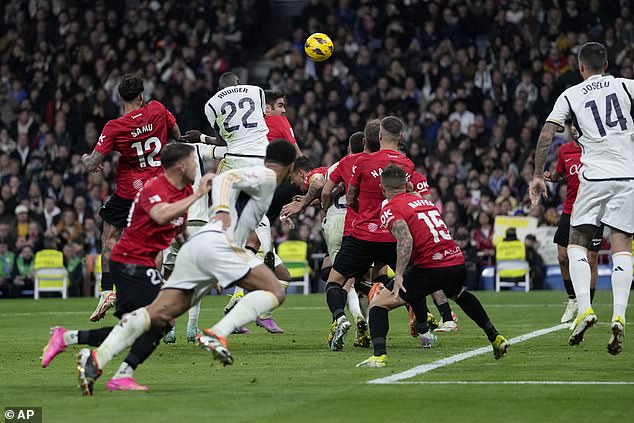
(319, 47)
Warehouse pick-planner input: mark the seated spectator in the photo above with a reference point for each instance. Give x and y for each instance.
(482, 235)
(7, 261)
(73, 264)
(22, 220)
(68, 229)
(23, 271)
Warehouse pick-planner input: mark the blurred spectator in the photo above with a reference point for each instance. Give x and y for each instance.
(7, 261)
(23, 272)
(535, 261)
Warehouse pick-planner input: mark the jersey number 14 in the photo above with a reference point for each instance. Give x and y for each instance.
(611, 104)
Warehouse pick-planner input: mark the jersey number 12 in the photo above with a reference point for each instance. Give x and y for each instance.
(152, 146)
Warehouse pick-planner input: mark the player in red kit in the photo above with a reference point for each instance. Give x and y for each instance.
(157, 214)
(568, 168)
(139, 136)
(276, 121)
(368, 242)
(427, 262)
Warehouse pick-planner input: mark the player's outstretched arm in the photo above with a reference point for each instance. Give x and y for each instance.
(314, 190)
(194, 136)
(164, 213)
(404, 242)
(93, 162)
(538, 187)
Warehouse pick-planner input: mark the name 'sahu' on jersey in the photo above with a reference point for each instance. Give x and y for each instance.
(139, 136)
(237, 114)
(600, 108)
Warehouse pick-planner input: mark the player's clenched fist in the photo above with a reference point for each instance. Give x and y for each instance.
(205, 184)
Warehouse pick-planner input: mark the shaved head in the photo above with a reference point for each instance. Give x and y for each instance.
(228, 79)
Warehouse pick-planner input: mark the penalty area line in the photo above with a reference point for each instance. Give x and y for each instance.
(425, 368)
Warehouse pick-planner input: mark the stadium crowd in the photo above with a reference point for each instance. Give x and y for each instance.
(473, 80)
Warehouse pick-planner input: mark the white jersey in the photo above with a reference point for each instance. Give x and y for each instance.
(601, 108)
(200, 209)
(246, 194)
(237, 114)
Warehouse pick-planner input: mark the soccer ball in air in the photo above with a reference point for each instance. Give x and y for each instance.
(319, 47)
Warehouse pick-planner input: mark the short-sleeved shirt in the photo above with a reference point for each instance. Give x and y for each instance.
(600, 108)
(366, 176)
(432, 246)
(421, 186)
(140, 137)
(237, 114)
(279, 127)
(569, 165)
(143, 239)
(341, 172)
(308, 179)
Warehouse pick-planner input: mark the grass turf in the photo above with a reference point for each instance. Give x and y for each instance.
(293, 377)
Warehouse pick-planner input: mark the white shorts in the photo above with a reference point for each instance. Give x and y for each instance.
(607, 202)
(333, 231)
(263, 231)
(236, 162)
(170, 253)
(209, 258)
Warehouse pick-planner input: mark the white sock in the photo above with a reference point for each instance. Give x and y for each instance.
(123, 335)
(580, 275)
(246, 311)
(621, 282)
(353, 304)
(125, 370)
(194, 312)
(71, 337)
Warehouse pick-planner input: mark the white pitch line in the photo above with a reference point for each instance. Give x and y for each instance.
(424, 368)
(510, 382)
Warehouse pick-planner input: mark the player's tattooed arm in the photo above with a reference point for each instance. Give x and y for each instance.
(538, 187)
(93, 162)
(314, 190)
(404, 242)
(352, 197)
(543, 147)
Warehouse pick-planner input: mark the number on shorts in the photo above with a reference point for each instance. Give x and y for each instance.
(155, 276)
(153, 147)
(435, 224)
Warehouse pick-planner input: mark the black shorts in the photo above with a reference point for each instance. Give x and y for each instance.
(356, 256)
(421, 282)
(137, 286)
(116, 211)
(563, 234)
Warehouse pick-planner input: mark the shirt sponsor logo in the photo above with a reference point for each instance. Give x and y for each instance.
(373, 227)
(155, 199)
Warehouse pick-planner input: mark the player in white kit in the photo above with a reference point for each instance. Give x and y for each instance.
(197, 216)
(601, 110)
(214, 255)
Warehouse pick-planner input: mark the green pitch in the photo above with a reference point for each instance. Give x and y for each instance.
(294, 377)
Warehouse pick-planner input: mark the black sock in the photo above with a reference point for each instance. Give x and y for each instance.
(145, 345)
(570, 290)
(379, 326)
(473, 308)
(445, 311)
(93, 337)
(336, 298)
(592, 295)
(107, 283)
